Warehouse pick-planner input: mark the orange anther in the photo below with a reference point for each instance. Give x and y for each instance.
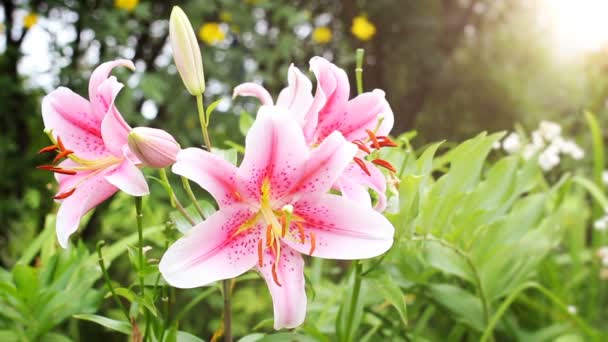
(301, 231)
(312, 243)
(60, 144)
(384, 164)
(283, 226)
(56, 169)
(387, 142)
(274, 273)
(62, 155)
(269, 235)
(372, 137)
(260, 253)
(46, 149)
(362, 165)
(362, 146)
(65, 194)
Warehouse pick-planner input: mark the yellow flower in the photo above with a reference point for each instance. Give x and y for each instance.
(225, 16)
(128, 5)
(30, 20)
(362, 28)
(211, 33)
(322, 35)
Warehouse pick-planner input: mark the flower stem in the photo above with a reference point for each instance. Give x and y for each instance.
(188, 190)
(359, 70)
(140, 246)
(227, 311)
(175, 203)
(203, 120)
(106, 277)
(354, 299)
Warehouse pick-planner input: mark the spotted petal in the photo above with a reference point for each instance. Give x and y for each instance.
(274, 150)
(288, 298)
(211, 172)
(342, 229)
(89, 193)
(212, 250)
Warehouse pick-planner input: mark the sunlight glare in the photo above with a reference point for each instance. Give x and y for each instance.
(579, 26)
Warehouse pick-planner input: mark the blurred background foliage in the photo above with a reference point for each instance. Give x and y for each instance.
(450, 68)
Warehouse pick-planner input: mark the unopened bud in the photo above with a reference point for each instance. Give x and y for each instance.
(154, 147)
(186, 52)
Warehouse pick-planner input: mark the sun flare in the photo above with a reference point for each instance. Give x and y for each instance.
(579, 26)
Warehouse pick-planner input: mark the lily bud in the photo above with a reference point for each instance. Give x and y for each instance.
(154, 147)
(186, 52)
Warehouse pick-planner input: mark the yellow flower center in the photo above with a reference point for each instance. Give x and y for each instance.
(322, 35)
(362, 28)
(30, 20)
(211, 33)
(128, 5)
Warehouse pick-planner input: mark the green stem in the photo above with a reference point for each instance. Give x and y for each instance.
(227, 311)
(106, 277)
(354, 299)
(188, 190)
(175, 203)
(359, 70)
(140, 246)
(203, 120)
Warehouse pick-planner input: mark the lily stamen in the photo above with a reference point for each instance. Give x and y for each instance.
(385, 164)
(65, 194)
(362, 165)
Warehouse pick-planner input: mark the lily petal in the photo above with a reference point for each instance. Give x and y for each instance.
(255, 90)
(289, 299)
(69, 116)
(354, 182)
(332, 82)
(88, 195)
(325, 165)
(102, 97)
(114, 129)
(357, 115)
(343, 229)
(275, 150)
(210, 251)
(210, 172)
(297, 96)
(128, 178)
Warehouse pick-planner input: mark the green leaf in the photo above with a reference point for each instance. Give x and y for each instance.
(54, 337)
(183, 336)
(463, 304)
(26, 281)
(245, 122)
(116, 325)
(210, 110)
(393, 294)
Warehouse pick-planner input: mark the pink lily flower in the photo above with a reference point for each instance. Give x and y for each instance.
(274, 207)
(366, 120)
(92, 137)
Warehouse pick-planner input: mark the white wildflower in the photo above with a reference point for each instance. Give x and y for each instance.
(512, 143)
(537, 139)
(549, 130)
(529, 151)
(605, 177)
(548, 159)
(601, 224)
(572, 309)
